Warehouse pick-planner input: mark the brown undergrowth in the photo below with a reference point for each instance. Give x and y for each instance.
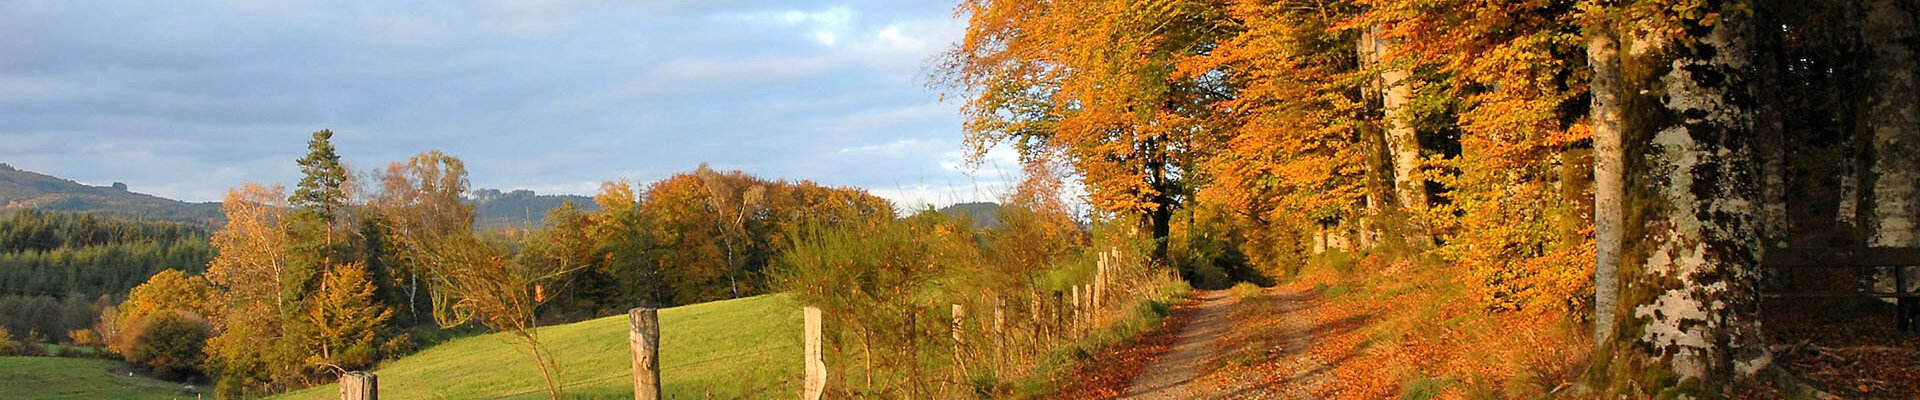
(1846, 347)
(1411, 330)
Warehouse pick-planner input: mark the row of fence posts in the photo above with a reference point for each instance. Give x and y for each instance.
(643, 338)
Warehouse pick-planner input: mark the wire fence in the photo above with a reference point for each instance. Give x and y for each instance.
(663, 367)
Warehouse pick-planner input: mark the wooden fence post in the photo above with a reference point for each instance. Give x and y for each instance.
(643, 336)
(1086, 317)
(1073, 317)
(359, 385)
(959, 343)
(1100, 282)
(816, 380)
(1059, 328)
(999, 335)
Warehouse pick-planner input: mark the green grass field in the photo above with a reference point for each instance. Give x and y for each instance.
(744, 348)
(75, 378)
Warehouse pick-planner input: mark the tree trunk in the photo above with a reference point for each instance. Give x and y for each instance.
(1397, 147)
(1693, 205)
(1603, 53)
(1403, 142)
(1892, 117)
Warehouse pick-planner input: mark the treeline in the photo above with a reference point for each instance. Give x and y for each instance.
(59, 254)
(350, 269)
(59, 270)
(1582, 160)
(690, 238)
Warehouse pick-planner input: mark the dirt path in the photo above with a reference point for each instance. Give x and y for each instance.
(1172, 377)
(1300, 373)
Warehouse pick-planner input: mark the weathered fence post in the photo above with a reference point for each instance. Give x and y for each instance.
(1089, 310)
(1059, 328)
(1100, 282)
(359, 385)
(1074, 318)
(643, 336)
(959, 344)
(999, 335)
(816, 380)
(1037, 315)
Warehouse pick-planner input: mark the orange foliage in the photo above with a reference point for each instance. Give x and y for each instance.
(1399, 325)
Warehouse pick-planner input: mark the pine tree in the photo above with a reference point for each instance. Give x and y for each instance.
(322, 188)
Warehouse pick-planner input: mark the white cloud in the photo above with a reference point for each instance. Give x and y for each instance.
(824, 26)
(899, 148)
(554, 96)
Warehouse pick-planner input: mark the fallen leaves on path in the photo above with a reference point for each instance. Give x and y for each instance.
(1109, 371)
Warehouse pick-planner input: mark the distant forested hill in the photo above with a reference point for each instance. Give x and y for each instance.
(494, 209)
(985, 215)
(20, 190)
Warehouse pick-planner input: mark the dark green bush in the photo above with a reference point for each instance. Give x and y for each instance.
(170, 345)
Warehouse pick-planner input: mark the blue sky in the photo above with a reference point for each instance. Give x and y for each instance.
(185, 99)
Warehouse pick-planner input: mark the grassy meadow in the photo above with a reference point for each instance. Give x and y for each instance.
(743, 348)
(53, 378)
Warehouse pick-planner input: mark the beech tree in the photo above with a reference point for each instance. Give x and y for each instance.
(1690, 123)
(1892, 120)
(1101, 82)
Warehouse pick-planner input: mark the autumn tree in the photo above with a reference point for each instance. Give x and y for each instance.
(420, 203)
(257, 280)
(695, 266)
(1689, 110)
(169, 290)
(346, 319)
(732, 207)
(569, 239)
(477, 281)
(470, 279)
(627, 246)
(1102, 82)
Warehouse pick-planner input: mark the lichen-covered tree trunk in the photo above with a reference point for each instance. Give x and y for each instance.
(1375, 157)
(1403, 143)
(1693, 205)
(1892, 121)
(1399, 146)
(1603, 53)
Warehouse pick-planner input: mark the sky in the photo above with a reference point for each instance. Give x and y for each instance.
(186, 99)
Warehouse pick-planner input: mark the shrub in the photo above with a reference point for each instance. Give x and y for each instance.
(1246, 290)
(170, 344)
(83, 337)
(6, 342)
(32, 345)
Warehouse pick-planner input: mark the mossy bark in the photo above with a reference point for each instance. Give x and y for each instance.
(1693, 208)
(1892, 120)
(1603, 53)
(1397, 191)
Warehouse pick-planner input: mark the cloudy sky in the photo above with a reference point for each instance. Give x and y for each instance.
(187, 98)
